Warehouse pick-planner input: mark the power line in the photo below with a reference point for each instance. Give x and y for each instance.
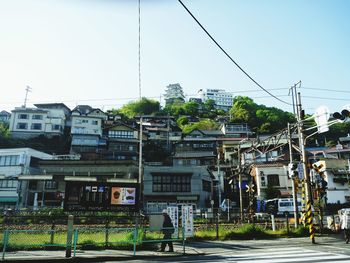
(223, 50)
(341, 91)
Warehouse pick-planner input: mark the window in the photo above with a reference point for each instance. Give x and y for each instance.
(37, 117)
(22, 126)
(171, 183)
(94, 122)
(273, 180)
(9, 160)
(8, 183)
(84, 121)
(23, 116)
(121, 134)
(36, 126)
(56, 127)
(51, 184)
(206, 186)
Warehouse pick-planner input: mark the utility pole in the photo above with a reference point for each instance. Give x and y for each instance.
(28, 89)
(294, 180)
(240, 183)
(305, 167)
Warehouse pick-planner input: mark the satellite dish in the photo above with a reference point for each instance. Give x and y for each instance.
(321, 118)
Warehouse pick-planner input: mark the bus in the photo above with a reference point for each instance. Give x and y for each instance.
(281, 206)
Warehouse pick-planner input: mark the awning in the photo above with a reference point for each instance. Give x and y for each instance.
(121, 180)
(80, 178)
(35, 177)
(8, 199)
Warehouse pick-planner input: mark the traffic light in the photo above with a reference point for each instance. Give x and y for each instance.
(343, 115)
(292, 170)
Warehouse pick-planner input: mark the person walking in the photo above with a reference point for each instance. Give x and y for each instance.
(345, 223)
(168, 230)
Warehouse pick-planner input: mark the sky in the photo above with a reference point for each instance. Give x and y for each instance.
(86, 51)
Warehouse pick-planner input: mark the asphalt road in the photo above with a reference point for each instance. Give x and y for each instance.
(326, 249)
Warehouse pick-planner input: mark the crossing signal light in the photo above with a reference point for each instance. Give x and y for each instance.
(293, 170)
(344, 114)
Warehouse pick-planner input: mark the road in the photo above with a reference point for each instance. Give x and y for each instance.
(268, 251)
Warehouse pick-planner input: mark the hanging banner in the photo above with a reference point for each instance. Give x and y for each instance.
(173, 213)
(187, 220)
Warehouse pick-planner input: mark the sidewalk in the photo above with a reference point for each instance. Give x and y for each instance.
(96, 255)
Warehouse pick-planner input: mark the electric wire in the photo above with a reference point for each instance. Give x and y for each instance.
(224, 51)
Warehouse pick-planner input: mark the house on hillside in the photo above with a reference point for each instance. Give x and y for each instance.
(44, 120)
(86, 131)
(122, 142)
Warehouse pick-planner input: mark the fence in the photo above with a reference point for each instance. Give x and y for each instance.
(86, 238)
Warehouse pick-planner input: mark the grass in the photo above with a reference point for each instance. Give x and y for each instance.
(123, 239)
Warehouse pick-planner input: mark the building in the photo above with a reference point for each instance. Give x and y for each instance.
(336, 174)
(272, 175)
(86, 131)
(167, 185)
(223, 99)
(198, 148)
(49, 121)
(123, 142)
(15, 162)
(173, 93)
(48, 189)
(5, 116)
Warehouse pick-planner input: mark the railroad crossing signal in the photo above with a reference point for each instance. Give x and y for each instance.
(250, 188)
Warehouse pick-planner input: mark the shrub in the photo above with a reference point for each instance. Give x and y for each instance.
(248, 231)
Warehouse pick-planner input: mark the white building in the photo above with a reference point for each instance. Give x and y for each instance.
(86, 127)
(173, 92)
(223, 99)
(336, 174)
(15, 162)
(31, 122)
(273, 175)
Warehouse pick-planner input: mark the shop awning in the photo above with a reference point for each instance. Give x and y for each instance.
(8, 199)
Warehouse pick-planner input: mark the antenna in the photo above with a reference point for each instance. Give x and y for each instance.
(28, 89)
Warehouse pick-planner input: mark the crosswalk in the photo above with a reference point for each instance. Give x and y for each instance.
(276, 254)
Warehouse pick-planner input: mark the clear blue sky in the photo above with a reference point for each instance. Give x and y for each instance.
(86, 51)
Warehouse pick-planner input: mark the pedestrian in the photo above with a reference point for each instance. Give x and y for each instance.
(168, 230)
(345, 223)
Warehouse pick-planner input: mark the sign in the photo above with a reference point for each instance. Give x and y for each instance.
(300, 171)
(173, 212)
(86, 196)
(187, 220)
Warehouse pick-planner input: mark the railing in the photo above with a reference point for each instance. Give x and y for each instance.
(87, 238)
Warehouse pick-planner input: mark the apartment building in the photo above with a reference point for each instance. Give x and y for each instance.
(45, 119)
(13, 163)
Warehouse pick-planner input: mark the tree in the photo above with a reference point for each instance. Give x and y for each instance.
(141, 107)
(206, 124)
(4, 131)
(270, 192)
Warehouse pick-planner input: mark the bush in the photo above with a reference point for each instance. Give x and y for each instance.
(246, 232)
(90, 245)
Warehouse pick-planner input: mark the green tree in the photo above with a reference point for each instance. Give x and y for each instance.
(141, 107)
(270, 192)
(4, 131)
(206, 124)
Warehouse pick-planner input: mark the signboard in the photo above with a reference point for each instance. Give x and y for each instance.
(173, 213)
(300, 171)
(85, 196)
(187, 220)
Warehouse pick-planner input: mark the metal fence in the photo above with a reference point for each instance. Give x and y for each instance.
(87, 238)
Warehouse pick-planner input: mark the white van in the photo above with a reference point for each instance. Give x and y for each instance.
(281, 206)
